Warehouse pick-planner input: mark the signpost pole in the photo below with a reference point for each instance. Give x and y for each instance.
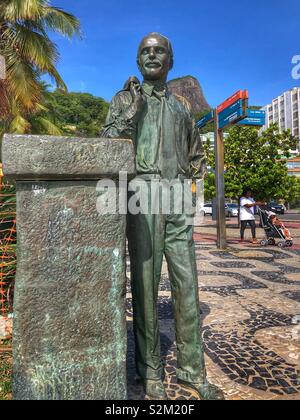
(232, 111)
(220, 185)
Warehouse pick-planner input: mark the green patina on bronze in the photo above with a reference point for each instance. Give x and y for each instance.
(167, 145)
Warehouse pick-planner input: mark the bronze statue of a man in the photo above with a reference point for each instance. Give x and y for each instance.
(168, 146)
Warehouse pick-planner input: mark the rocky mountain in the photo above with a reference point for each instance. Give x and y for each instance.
(190, 88)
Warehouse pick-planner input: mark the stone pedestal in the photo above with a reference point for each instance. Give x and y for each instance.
(69, 305)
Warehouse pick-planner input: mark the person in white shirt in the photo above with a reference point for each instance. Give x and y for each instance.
(247, 214)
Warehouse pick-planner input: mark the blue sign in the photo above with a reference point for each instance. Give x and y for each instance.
(206, 119)
(254, 118)
(257, 122)
(231, 109)
(253, 113)
(232, 118)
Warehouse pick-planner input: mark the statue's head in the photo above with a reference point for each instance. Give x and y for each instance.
(155, 57)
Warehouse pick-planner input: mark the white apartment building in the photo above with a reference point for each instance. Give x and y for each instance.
(285, 111)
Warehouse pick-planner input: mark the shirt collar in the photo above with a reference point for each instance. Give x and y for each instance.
(148, 88)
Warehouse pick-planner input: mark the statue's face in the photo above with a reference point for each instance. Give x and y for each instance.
(154, 59)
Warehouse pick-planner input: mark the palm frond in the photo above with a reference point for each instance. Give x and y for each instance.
(60, 21)
(22, 82)
(60, 84)
(32, 46)
(34, 25)
(29, 52)
(16, 10)
(41, 108)
(19, 125)
(45, 126)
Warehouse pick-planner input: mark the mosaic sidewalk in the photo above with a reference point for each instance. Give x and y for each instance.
(250, 302)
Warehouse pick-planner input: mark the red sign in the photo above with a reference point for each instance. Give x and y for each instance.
(241, 94)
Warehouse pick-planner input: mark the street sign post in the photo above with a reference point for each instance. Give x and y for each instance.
(255, 118)
(220, 185)
(240, 104)
(232, 118)
(240, 94)
(232, 111)
(206, 119)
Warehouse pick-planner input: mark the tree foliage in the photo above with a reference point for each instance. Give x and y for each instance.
(29, 53)
(255, 160)
(80, 114)
(295, 196)
(210, 187)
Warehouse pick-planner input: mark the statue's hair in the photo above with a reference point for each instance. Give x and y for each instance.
(170, 48)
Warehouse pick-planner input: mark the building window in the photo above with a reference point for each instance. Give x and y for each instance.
(293, 165)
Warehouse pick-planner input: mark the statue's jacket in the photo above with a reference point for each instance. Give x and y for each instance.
(166, 139)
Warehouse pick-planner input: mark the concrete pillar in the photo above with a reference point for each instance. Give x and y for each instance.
(69, 306)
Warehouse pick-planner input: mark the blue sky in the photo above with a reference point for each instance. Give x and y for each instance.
(227, 44)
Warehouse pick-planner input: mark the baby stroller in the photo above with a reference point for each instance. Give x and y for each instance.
(272, 231)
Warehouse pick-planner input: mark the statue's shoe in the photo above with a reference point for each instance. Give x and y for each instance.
(204, 391)
(155, 389)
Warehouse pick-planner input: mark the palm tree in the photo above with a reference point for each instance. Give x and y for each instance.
(29, 53)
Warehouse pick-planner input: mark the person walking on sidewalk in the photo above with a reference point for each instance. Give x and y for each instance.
(247, 214)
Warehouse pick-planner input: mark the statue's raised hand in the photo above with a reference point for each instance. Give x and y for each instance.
(138, 103)
(138, 97)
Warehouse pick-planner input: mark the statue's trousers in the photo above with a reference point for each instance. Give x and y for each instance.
(151, 236)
